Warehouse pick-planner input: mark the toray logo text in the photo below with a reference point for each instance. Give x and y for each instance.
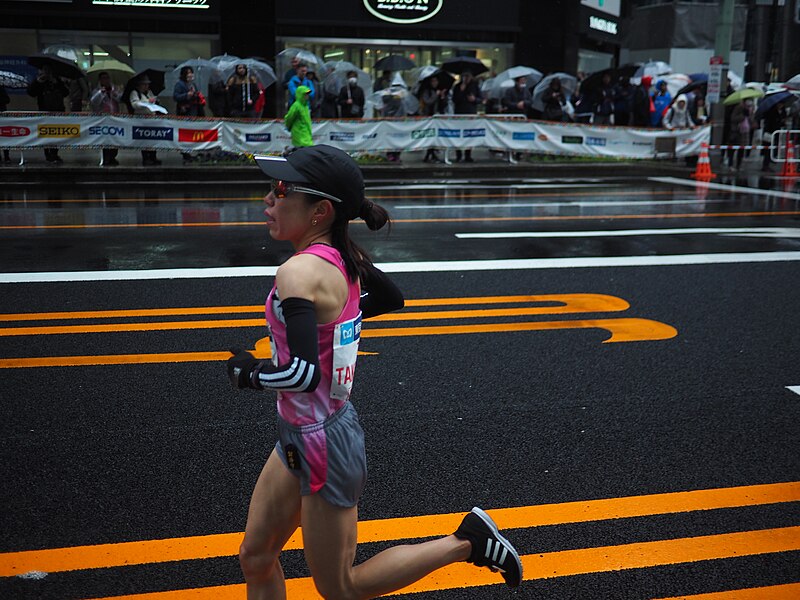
(152, 133)
(59, 131)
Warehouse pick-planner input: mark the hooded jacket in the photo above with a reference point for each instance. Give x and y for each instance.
(298, 119)
(677, 117)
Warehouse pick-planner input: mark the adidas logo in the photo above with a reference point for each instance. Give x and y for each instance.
(493, 548)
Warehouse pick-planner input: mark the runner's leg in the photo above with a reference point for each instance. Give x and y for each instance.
(273, 517)
(329, 539)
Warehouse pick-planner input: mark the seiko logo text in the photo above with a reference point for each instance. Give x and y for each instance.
(59, 131)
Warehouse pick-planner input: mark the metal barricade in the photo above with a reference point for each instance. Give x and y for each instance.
(779, 145)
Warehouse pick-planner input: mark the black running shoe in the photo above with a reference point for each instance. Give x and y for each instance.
(489, 548)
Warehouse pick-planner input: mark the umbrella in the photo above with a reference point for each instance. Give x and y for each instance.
(742, 94)
(396, 100)
(283, 60)
(336, 78)
(794, 82)
(118, 71)
(459, 64)
(770, 101)
(421, 75)
(65, 51)
(701, 77)
(260, 70)
(691, 87)
(61, 67)
(568, 85)
(653, 68)
(594, 80)
(206, 72)
(506, 79)
(394, 62)
(675, 82)
(156, 82)
(13, 81)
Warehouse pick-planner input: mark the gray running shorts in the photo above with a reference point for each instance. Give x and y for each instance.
(328, 457)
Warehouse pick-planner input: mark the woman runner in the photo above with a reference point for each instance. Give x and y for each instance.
(315, 475)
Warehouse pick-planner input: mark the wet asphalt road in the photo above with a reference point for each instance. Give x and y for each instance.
(121, 426)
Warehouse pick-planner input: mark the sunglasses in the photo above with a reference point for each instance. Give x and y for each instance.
(280, 189)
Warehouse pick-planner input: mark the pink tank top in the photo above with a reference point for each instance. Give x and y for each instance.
(338, 348)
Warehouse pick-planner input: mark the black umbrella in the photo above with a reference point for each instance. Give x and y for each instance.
(61, 67)
(156, 82)
(690, 87)
(770, 101)
(595, 80)
(394, 62)
(459, 64)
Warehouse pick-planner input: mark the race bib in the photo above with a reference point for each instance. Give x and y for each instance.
(345, 351)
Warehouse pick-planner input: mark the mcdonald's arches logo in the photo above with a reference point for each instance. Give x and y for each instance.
(197, 136)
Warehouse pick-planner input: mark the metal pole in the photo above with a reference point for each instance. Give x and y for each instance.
(722, 47)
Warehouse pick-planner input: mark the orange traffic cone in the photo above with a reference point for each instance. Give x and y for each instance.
(703, 170)
(789, 168)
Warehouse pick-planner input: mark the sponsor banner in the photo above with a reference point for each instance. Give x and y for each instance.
(23, 130)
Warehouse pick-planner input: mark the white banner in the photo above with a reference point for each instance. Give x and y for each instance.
(27, 130)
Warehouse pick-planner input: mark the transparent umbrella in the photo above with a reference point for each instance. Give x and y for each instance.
(264, 73)
(65, 51)
(568, 85)
(421, 74)
(794, 82)
(283, 60)
(653, 68)
(336, 77)
(206, 73)
(13, 81)
(394, 101)
(675, 82)
(506, 79)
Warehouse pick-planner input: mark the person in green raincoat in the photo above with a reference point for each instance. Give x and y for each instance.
(298, 119)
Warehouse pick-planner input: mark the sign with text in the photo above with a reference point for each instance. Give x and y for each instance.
(714, 79)
(403, 11)
(156, 3)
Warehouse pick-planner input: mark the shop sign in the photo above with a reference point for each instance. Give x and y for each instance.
(156, 3)
(197, 135)
(404, 12)
(14, 131)
(152, 133)
(603, 25)
(59, 131)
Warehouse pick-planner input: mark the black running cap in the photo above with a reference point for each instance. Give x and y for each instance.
(323, 168)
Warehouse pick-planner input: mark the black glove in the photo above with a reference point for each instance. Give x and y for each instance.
(240, 368)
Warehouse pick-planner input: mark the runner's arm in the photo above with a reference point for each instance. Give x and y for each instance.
(379, 294)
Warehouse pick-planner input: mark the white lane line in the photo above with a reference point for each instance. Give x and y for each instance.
(723, 186)
(794, 388)
(418, 267)
(459, 184)
(583, 203)
(745, 231)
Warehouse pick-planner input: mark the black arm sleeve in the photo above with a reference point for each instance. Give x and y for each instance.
(378, 294)
(302, 372)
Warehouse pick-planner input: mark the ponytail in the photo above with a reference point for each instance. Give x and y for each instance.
(356, 260)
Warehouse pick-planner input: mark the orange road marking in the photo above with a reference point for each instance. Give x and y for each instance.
(621, 330)
(552, 564)
(429, 220)
(570, 303)
(773, 592)
(227, 544)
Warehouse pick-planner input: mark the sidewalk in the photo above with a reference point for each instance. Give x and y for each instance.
(81, 167)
